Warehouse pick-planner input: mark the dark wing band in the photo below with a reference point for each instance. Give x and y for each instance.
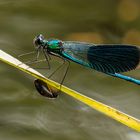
(113, 58)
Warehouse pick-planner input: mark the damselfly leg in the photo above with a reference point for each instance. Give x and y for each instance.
(36, 60)
(42, 87)
(46, 90)
(65, 62)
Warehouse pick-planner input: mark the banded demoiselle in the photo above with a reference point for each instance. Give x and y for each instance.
(110, 59)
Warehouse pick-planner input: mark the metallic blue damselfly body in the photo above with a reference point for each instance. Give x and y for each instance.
(107, 58)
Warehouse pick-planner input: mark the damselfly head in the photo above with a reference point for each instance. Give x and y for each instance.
(38, 41)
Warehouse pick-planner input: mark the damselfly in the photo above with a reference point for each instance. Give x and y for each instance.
(109, 59)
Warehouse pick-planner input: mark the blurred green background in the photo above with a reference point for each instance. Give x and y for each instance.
(24, 114)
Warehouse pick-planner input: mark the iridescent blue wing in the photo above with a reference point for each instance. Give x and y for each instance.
(103, 58)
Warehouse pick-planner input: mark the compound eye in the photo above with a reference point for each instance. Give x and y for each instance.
(38, 40)
(40, 37)
(60, 43)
